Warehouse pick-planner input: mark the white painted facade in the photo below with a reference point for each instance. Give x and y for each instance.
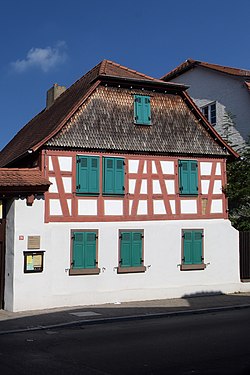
(163, 278)
(229, 93)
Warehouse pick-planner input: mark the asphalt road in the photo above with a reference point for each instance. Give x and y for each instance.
(217, 343)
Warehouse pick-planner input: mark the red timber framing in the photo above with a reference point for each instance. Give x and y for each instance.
(151, 190)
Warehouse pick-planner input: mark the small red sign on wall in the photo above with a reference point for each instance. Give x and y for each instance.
(21, 238)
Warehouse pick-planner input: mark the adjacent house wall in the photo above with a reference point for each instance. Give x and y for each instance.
(162, 257)
(230, 93)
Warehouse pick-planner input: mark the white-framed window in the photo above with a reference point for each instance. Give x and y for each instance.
(209, 111)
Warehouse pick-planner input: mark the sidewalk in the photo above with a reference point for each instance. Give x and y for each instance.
(82, 315)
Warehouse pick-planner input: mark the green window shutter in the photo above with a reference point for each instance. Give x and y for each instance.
(131, 249)
(119, 176)
(188, 177)
(113, 175)
(108, 175)
(184, 176)
(78, 250)
(84, 250)
(147, 110)
(87, 176)
(138, 109)
(136, 256)
(125, 249)
(193, 177)
(187, 247)
(192, 247)
(197, 247)
(142, 110)
(90, 250)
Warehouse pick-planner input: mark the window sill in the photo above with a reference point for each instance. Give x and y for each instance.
(131, 269)
(121, 195)
(84, 271)
(142, 124)
(192, 267)
(79, 194)
(189, 195)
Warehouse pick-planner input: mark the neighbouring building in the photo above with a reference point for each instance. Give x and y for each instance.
(114, 192)
(223, 95)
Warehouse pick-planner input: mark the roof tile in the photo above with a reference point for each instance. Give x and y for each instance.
(190, 63)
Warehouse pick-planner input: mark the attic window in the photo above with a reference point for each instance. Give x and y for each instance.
(142, 110)
(209, 111)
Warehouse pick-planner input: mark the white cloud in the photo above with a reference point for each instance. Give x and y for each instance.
(42, 58)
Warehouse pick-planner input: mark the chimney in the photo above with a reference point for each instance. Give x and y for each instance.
(53, 93)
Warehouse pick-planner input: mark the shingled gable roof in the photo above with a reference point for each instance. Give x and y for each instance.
(49, 121)
(190, 64)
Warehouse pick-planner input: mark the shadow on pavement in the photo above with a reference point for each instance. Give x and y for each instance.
(189, 303)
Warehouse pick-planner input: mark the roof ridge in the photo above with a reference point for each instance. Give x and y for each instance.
(129, 69)
(189, 63)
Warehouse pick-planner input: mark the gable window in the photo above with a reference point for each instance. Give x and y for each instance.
(131, 251)
(113, 176)
(87, 174)
(84, 252)
(142, 110)
(192, 250)
(209, 111)
(188, 177)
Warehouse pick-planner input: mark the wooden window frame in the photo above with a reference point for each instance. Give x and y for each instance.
(189, 193)
(104, 176)
(209, 116)
(146, 107)
(194, 266)
(80, 192)
(83, 271)
(131, 269)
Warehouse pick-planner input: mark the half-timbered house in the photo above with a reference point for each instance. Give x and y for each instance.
(134, 206)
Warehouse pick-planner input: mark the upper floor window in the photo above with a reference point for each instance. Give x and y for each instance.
(113, 176)
(188, 177)
(142, 110)
(87, 174)
(209, 111)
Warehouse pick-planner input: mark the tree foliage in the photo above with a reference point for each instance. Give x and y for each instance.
(238, 190)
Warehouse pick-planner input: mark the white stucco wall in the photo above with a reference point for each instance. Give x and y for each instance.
(162, 257)
(230, 93)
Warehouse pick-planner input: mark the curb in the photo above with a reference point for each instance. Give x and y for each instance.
(127, 318)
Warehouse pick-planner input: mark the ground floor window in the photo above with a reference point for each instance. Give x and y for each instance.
(84, 252)
(131, 251)
(192, 249)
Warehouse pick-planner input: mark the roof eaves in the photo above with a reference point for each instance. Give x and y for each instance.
(146, 82)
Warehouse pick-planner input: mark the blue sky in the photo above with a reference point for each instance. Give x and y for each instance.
(54, 41)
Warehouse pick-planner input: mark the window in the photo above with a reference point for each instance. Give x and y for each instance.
(87, 176)
(131, 251)
(84, 252)
(209, 111)
(113, 176)
(192, 250)
(188, 177)
(142, 111)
